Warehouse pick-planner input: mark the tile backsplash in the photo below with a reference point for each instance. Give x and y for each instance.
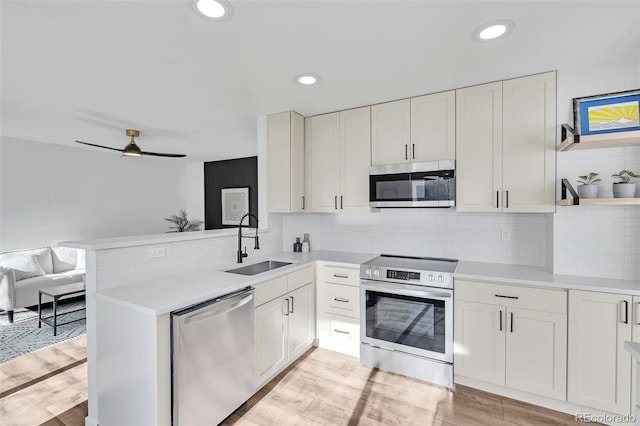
(427, 232)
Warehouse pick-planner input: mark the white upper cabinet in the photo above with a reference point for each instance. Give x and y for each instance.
(414, 130)
(505, 146)
(338, 160)
(433, 127)
(390, 132)
(285, 162)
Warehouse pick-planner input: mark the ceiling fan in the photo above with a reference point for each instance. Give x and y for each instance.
(133, 150)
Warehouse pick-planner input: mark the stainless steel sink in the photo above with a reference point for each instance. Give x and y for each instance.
(258, 268)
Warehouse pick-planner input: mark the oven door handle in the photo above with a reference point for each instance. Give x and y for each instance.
(378, 286)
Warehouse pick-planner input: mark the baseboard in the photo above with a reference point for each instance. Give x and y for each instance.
(554, 404)
(88, 421)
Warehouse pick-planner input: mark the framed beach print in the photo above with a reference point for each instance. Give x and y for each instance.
(612, 112)
(235, 204)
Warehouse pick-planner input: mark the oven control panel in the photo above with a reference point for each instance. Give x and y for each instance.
(403, 275)
(423, 278)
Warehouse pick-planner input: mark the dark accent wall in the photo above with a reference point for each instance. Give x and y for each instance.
(236, 173)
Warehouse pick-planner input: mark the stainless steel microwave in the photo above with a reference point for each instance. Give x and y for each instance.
(428, 184)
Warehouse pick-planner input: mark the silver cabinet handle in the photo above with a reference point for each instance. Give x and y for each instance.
(511, 313)
(624, 311)
(291, 311)
(303, 202)
(286, 312)
(506, 297)
(341, 206)
(340, 331)
(497, 199)
(406, 155)
(341, 275)
(335, 202)
(506, 199)
(500, 319)
(341, 299)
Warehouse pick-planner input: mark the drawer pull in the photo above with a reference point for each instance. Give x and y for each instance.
(340, 331)
(624, 312)
(341, 275)
(500, 319)
(506, 297)
(341, 299)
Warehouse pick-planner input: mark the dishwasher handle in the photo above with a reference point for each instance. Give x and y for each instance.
(220, 307)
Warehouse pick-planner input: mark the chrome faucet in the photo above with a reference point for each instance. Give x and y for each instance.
(240, 237)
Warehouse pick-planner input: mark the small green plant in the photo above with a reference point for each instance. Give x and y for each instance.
(625, 176)
(589, 179)
(182, 224)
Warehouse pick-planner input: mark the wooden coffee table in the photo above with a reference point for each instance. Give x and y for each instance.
(75, 289)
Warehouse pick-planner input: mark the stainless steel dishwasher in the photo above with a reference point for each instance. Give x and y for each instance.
(213, 359)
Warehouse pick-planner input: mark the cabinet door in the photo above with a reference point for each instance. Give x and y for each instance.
(529, 144)
(297, 163)
(390, 132)
(279, 162)
(537, 352)
(433, 127)
(323, 139)
(301, 320)
(635, 382)
(479, 148)
(355, 159)
(479, 341)
(271, 337)
(599, 369)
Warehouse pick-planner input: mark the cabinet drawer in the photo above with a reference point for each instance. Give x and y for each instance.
(335, 330)
(341, 275)
(341, 299)
(537, 299)
(269, 290)
(300, 278)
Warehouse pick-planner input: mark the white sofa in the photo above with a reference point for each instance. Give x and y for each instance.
(24, 272)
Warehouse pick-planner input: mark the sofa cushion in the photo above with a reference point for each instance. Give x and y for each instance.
(42, 256)
(27, 290)
(64, 259)
(24, 265)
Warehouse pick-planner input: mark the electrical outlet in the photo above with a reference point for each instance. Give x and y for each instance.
(155, 252)
(374, 231)
(505, 235)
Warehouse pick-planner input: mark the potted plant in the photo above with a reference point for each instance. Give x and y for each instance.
(588, 189)
(182, 224)
(625, 188)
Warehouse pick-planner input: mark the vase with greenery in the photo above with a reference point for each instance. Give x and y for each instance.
(625, 188)
(182, 224)
(588, 189)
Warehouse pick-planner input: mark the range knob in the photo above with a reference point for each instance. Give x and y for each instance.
(367, 271)
(440, 279)
(431, 277)
(376, 272)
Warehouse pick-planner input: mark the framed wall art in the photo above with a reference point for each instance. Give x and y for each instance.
(235, 204)
(608, 113)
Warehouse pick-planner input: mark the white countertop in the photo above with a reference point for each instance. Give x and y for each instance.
(163, 295)
(538, 276)
(634, 349)
(143, 240)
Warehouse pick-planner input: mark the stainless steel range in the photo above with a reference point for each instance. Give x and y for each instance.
(406, 311)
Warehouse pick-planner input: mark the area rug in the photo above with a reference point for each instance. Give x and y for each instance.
(24, 336)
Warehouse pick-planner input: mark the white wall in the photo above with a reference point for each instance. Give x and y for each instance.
(601, 241)
(51, 192)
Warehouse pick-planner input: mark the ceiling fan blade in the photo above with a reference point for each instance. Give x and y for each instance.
(100, 146)
(160, 154)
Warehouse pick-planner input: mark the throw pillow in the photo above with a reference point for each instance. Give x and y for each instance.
(24, 265)
(64, 259)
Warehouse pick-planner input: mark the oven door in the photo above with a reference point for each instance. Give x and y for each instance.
(407, 318)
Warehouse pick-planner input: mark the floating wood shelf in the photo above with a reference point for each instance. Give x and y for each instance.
(574, 200)
(572, 140)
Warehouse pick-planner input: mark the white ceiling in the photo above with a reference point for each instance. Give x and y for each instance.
(88, 69)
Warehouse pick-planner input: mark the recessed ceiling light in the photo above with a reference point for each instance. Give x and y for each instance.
(214, 9)
(493, 30)
(307, 79)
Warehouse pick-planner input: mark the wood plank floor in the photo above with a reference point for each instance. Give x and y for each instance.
(49, 387)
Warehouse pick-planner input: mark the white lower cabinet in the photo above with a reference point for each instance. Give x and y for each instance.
(338, 307)
(511, 336)
(599, 367)
(285, 324)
